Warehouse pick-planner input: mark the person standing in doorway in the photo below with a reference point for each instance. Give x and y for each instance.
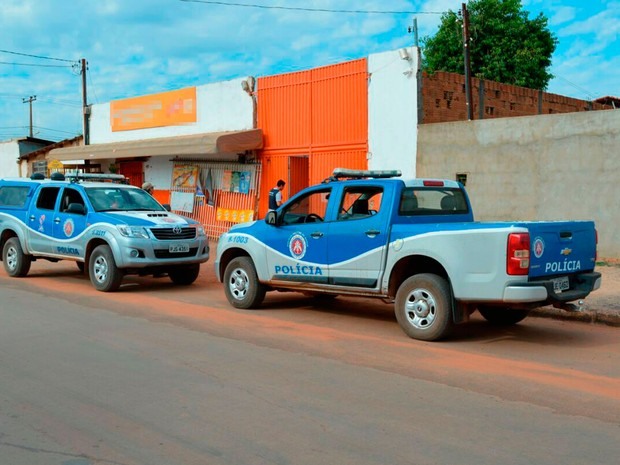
(275, 195)
(148, 187)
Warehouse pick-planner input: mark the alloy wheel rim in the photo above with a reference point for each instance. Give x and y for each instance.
(11, 258)
(420, 308)
(239, 283)
(101, 269)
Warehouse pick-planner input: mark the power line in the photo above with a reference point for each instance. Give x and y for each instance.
(322, 10)
(34, 64)
(54, 130)
(36, 56)
(585, 91)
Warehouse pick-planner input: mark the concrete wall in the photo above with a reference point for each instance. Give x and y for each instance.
(9, 154)
(392, 111)
(221, 106)
(549, 167)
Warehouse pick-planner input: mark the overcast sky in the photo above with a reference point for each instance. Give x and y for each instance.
(137, 47)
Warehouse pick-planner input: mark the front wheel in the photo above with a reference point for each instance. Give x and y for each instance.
(16, 262)
(102, 269)
(423, 307)
(241, 285)
(502, 316)
(184, 275)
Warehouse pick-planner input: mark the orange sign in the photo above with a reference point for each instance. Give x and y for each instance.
(234, 216)
(155, 110)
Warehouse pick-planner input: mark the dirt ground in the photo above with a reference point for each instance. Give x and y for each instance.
(607, 298)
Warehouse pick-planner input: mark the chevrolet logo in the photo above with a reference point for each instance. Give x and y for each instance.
(566, 251)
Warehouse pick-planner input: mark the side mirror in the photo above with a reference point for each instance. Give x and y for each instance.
(271, 218)
(76, 208)
(166, 206)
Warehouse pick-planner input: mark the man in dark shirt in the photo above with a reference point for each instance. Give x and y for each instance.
(275, 195)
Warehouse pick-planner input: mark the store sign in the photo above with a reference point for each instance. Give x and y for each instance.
(155, 110)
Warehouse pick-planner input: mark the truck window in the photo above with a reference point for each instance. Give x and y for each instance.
(69, 196)
(47, 198)
(360, 202)
(13, 196)
(432, 201)
(310, 208)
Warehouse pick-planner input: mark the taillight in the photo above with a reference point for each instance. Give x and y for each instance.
(432, 183)
(518, 256)
(596, 247)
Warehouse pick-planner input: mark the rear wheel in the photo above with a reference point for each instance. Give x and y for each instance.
(184, 275)
(241, 285)
(16, 262)
(502, 316)
(423, 307)
(102, 269)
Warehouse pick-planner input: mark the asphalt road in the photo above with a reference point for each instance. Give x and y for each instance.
(157, 374)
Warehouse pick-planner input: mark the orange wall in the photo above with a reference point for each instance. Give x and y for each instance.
(320, 113)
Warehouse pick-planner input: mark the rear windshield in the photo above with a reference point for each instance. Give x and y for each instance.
(13, 196)
(432, 201)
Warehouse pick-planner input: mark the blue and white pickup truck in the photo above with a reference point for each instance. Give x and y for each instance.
(109, 229)
(414, 243)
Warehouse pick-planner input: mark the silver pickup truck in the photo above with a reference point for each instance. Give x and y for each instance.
(109, 229)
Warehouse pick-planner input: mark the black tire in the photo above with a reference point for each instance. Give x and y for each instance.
(184, 275)
(102, 269)
(16, 262)
(502, 316)
(241, 285)
(423, 307)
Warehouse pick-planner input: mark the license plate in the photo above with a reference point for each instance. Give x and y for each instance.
(560, 284)
(178, 248)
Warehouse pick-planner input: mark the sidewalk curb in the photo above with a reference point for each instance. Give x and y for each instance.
(585, 316)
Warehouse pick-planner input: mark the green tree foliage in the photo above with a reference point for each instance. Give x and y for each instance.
(505, 45)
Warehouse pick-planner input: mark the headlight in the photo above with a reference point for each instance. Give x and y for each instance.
(200, 230)
(133, 231)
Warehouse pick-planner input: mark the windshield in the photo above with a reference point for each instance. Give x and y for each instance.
(116, 198)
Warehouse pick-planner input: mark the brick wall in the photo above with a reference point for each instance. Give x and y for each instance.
(444, 100)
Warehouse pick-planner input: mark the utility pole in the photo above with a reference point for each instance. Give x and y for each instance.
(29, 100)
(468, 93)
(85, 107)
(416, 43)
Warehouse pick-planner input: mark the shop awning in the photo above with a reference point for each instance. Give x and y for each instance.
(212, 143)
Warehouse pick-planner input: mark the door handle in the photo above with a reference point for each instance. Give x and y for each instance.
(32, 218)
(316, 234)
(56, 220)
(372, 233)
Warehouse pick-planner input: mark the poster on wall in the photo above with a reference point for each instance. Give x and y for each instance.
(236, 181)
(226, 180)
(182, 201)
(244, 182)
(184, 176)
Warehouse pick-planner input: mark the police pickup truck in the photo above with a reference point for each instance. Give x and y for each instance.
(110, 229)
(414, 243)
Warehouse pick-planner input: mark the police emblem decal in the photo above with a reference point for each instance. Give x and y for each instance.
(68, 227)
(297, 245)
(538, 247)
